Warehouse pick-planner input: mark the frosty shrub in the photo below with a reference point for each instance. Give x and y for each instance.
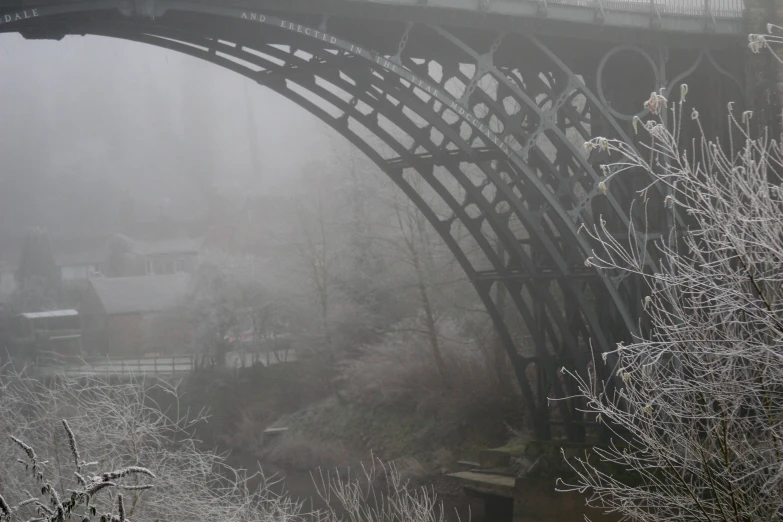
(51, 506)
(122, 426)
(377, 494)
(698, 419)
(400, 370)
(118, 426)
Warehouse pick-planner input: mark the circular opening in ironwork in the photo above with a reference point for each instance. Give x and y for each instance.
(626, 76)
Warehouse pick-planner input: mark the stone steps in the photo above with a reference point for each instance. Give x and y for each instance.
(486, 483)
(512, 494)
(494, 458)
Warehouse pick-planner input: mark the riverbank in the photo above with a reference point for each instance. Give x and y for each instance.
(329, 432)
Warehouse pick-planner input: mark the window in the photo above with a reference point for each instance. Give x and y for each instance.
(149, 269)
(180, 265)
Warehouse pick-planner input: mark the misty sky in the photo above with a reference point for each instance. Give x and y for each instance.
(90, 116)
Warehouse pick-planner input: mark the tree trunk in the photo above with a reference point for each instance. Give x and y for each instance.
(500, 351)
(432, 331)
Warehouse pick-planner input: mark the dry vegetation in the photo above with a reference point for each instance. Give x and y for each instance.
(395, 401)
(122, 426)
(697, 420)
(118, 425)
(400, 371)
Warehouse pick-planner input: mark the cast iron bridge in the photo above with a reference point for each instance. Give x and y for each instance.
(477, 110)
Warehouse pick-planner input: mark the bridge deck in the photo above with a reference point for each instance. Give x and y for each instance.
(701, 17)
(715, 17)
(719, 9)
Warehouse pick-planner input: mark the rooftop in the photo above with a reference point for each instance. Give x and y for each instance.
(143, 294)
(51, 313)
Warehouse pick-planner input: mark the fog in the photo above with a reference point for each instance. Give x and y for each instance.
(214, 307)
(86, 118)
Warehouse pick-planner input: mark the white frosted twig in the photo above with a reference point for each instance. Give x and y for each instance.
(698, 419)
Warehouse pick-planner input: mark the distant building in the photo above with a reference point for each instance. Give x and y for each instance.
(81, 259)
(130, 257)
(52, 334)
(7, 282)
(105, 256)
(9, 264)
(171, 256)
(116, 312)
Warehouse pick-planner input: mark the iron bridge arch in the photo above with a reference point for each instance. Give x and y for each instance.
(493, 122)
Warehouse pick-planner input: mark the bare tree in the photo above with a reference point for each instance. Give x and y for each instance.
(214, 307)
(230, 296)
(314, 250)
(698, 419)
(416, 241)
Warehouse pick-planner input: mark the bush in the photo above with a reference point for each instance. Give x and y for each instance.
(50, 506)
(122, 426)
(698, 418)
(301, 452)
(119, 425)
(379, 493)
(400, 371)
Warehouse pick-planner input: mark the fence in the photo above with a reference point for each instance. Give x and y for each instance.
(52, 364)
(719, 9)
(266, 358)
(160, 366)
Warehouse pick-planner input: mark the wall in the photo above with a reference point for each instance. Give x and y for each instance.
(138, 265)
(76, 272)
(171, 264)
(125, 335)
(166, 333)
(93, 322)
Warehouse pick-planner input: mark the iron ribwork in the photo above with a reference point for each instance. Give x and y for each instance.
(492, 122)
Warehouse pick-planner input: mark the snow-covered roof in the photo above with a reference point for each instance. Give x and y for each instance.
(51, 313)
(127, 295)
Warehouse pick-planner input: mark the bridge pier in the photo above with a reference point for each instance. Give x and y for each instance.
(518, 484)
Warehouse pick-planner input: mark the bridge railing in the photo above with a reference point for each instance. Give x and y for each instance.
(723, 9)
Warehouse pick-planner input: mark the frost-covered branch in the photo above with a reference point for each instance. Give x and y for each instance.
(130, 431)
(48, 507)
(698, 421)
(378, 493)
(774, 37)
